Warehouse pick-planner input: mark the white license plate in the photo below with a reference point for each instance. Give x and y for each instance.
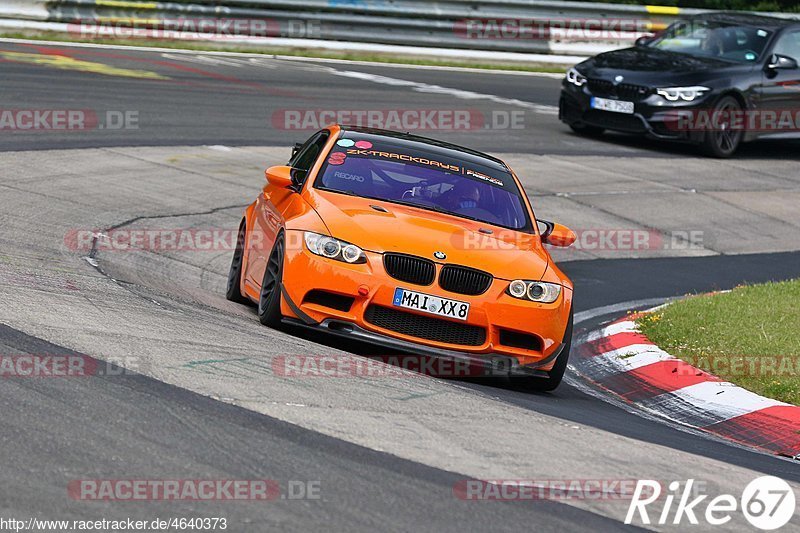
(615, 106)
(433, 305)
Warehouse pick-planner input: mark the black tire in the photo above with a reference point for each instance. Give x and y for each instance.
(555, 375)
(722, 143)
(234, 290)
(269, 300)
(585, 129)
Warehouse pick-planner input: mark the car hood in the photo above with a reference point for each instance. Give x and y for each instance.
(652, 67)
(505, 254)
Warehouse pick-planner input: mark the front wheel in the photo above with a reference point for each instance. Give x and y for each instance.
(269, 300)
(723, 140)
(556, 374)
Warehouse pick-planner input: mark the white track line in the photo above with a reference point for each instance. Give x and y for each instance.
(436, 53)
(438, 89)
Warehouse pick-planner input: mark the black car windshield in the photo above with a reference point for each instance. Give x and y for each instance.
(405, 175)
(715, 39)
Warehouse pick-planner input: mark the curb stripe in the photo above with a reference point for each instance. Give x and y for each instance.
(709, 402)
(617, 341)
(776, 429)
(626, 363)
(653, 380)
(631, 357)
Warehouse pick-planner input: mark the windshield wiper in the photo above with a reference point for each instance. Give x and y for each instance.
(433, 207)
(430, 207)
(438, 209)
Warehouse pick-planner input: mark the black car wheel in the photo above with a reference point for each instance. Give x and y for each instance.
(553, 380)
(723, 140)
(269, 301)
(234, 290)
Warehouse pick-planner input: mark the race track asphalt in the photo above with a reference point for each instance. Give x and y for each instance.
(386, 452)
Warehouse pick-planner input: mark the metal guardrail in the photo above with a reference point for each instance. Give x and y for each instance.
(527, 26)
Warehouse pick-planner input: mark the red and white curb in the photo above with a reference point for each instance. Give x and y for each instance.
(624, 362)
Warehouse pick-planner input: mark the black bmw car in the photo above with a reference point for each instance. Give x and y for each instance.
(713, 79)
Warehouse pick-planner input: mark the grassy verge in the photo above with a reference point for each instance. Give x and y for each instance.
(206, 46)
(749, 336)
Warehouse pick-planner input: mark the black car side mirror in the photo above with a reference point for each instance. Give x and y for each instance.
(781, 62)
(644, 40)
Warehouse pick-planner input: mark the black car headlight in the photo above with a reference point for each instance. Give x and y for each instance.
(576, 78)
(687, 94)
(333, 248)
(535, 291)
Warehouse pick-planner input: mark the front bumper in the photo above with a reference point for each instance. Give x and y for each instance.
(653, 116)
(483, 365)
(368, 285)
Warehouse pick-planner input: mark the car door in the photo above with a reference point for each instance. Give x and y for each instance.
(272, 204)
(780, 88)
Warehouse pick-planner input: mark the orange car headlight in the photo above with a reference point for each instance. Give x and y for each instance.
(333, 248)
(535, 291)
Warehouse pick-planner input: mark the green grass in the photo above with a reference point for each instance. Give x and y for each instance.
(749, 336)
(298, 52)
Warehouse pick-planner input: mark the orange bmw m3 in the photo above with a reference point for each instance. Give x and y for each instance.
(411, 244)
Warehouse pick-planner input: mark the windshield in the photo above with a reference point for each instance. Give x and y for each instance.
(714, 39)
(396, 173)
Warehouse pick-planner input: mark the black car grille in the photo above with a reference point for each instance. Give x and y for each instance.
(464, 280)
(623, 91)
(614, 121)
(409, 268)
(425, 327)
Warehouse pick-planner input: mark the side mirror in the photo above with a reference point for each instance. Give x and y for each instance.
(557, 234)
(781, 62)
(279, 176)
(643, 40)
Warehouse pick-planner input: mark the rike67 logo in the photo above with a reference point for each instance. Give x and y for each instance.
(768, 503)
